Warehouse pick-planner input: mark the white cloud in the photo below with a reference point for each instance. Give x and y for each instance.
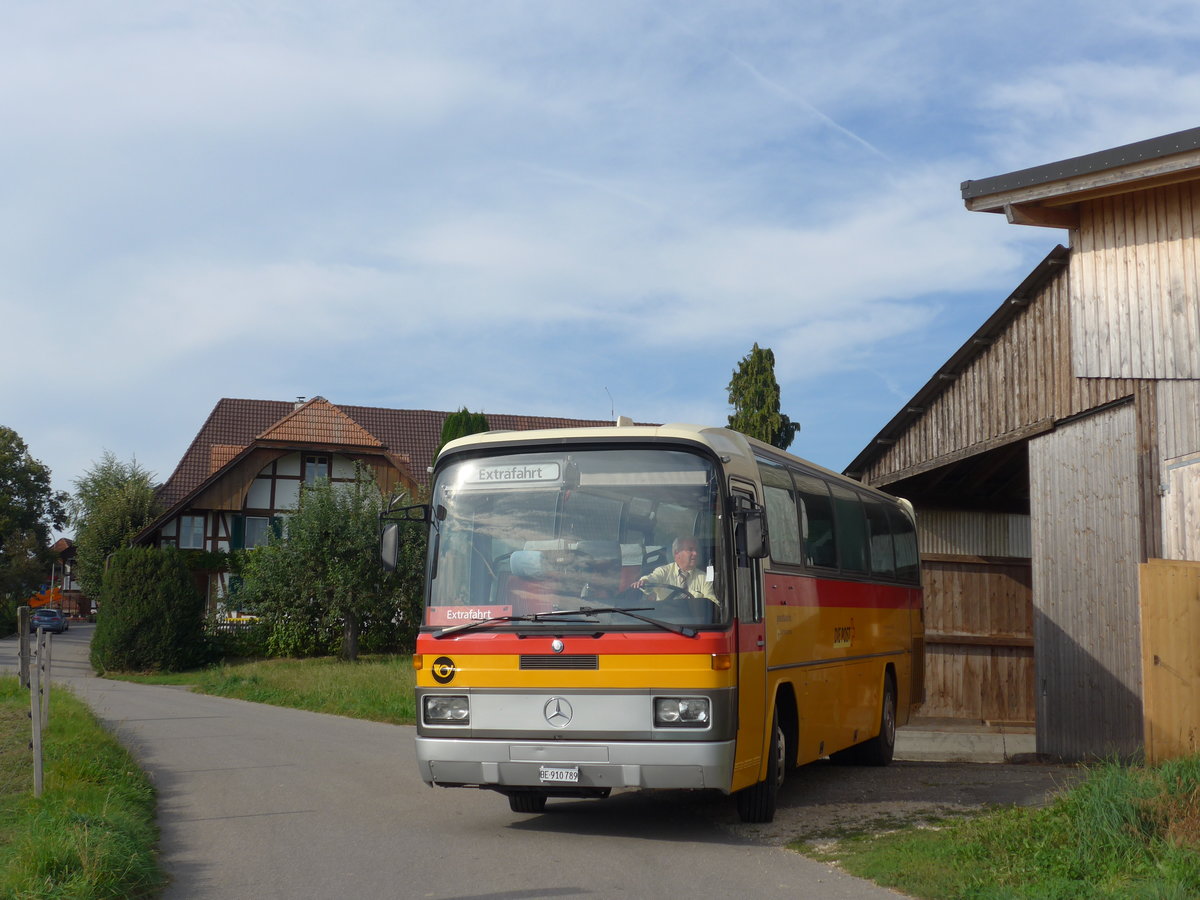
(517, 205)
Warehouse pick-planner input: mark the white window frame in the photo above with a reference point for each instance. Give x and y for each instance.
(188, 530)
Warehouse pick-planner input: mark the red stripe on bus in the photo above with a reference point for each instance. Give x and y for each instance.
(795, 590)
(607, 642)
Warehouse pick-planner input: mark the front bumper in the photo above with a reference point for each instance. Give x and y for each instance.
(518, 764)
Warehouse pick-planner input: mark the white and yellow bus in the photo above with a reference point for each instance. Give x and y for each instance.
(552, 663)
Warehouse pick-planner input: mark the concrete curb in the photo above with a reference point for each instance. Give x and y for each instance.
(924, 745)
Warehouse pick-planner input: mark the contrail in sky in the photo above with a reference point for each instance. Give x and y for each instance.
(781, 91)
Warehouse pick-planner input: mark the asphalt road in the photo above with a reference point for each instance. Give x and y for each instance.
(258, 801)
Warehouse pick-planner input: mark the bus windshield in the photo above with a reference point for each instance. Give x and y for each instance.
(521, 535)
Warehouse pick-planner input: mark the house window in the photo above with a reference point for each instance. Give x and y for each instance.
(256, 530)
(315, 467)
(191, 532)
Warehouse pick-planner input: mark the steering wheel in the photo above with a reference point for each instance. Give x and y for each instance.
(675, 590)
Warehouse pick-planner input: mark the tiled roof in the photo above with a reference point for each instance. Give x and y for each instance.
(234, 425)
(319, 421)
(220, 454)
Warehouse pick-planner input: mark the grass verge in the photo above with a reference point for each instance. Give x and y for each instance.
(1125, 832)
(91, 834)
(375, 687)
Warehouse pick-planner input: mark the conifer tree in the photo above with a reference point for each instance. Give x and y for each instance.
(460, 424)
(754, 396)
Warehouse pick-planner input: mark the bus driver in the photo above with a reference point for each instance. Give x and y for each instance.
(683, 573)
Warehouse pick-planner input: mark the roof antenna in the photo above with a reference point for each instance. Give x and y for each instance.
(612, 409)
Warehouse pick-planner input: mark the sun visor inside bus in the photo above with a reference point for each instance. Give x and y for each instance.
(527, 564)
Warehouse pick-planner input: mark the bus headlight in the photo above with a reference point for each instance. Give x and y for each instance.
(682, 712)
(442, 709)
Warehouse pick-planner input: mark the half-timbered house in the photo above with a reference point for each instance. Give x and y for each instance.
(243, 471)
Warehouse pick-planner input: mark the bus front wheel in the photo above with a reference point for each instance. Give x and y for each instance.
(527, 801)
(757, 802)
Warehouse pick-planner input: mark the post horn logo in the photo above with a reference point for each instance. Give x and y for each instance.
(443, 670)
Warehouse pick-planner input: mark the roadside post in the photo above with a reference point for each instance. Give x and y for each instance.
(44, 653)
(23, 613)
(35, 713)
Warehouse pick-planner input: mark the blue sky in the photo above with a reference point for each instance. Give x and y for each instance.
(555, 208)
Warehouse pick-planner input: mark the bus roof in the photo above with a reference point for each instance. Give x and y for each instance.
(736, 450)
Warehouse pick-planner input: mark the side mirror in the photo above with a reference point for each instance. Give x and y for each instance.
(389, 545)
(389, 532)
(754, 530)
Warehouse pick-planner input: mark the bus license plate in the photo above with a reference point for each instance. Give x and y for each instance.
(566, 773)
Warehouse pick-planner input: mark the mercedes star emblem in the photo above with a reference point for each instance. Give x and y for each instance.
(558, 712)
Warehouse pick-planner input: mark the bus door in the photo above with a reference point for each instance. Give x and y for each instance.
(751, 656)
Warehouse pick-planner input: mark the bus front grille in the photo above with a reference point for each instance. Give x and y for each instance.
(585, 661)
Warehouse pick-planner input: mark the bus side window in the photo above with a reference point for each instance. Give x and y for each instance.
(908, 567)
(853, 548)
(883, 557)
(816, 521)
(782, 522)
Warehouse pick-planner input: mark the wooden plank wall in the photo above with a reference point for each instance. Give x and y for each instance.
(1085, 505)
(1178, 413)
(1024, 377)
(979, 639)
(1170, 608)
(1136, 285)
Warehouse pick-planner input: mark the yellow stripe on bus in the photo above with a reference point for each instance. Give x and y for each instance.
(674, 671)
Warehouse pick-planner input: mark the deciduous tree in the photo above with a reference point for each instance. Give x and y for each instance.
(321, 579)
(29, 509)
(113, 501)
(754, 396)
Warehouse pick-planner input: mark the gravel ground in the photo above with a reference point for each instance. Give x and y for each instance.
(824, 800)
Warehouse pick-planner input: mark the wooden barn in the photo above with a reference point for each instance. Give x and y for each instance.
(1054, 461)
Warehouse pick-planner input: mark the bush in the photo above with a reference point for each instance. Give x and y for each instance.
(8, 616)
(151, 615)
(236, 641)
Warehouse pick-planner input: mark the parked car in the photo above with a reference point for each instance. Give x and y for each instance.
(49, 620)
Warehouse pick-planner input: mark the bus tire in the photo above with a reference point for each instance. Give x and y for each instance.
(757, 802)
(879, 750)
(527, 801)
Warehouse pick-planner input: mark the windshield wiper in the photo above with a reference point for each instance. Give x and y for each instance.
(633, 614)
(582, 611)
(467, 626)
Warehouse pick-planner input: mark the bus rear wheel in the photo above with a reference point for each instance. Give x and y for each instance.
(879, 750)
(757, 802)
(527, 801)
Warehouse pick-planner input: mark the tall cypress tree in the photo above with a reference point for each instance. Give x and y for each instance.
(460, 424)
(754, 396)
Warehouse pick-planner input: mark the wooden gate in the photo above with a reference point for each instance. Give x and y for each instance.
(1170, 606)
(978, 639)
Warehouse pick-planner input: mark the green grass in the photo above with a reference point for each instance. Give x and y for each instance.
(91, 834)
(379, 688)
(1124, 833)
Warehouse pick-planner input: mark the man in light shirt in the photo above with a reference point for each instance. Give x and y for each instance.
(684, 573)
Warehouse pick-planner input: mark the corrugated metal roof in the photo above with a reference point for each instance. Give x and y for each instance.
(1089, 163)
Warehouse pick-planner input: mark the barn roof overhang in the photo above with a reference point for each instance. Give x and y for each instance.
(963, 460)
(1048, 195)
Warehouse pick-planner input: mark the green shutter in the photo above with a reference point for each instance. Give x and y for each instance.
(237, 537)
